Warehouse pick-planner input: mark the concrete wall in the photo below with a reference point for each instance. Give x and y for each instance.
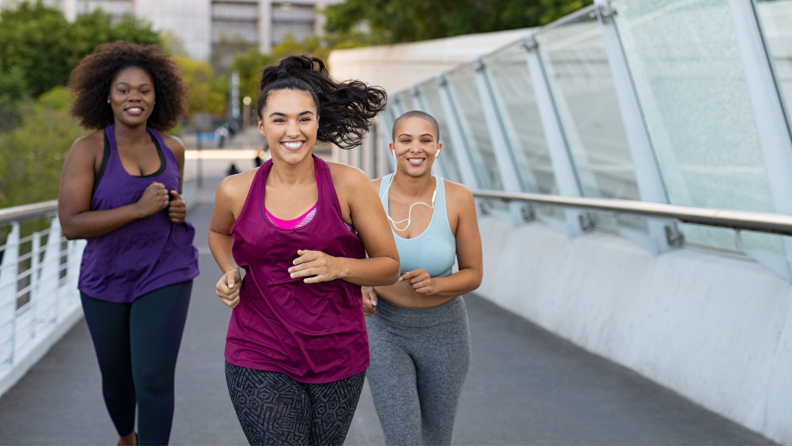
(713, 328)
(188, 20)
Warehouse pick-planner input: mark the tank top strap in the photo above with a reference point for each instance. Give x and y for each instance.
(328, 200)
(383, 191)
(164, 149)
(254, 203)
(112, 161)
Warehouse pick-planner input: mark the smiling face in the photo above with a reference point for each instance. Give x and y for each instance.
(290, 124)
(415, 146)
(132, 96)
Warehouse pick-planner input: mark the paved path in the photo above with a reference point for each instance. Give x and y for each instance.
(525, 386)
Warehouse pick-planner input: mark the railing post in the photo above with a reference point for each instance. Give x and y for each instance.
(48, 279)
(461, 151)
(420, 104)
(9, 270)
(771, 124)
(647, 174)
(35, 282)
(563, 167)
(501, 145)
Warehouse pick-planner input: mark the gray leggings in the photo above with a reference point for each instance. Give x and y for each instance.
(419, 360)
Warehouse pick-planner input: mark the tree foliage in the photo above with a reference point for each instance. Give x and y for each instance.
(39, 47)
(207, 91)
(31, 156)
(393, 21)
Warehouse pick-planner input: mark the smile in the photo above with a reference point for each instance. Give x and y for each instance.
(416, 161)
(135, 111)
(293, 145)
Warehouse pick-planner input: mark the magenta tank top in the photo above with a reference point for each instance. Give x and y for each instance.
(314, 333)
(143, 255)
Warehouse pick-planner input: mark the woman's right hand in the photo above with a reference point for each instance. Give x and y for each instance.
(227, 288)
(154, 199)
(369, 300)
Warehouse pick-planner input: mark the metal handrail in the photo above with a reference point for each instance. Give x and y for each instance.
(28, 211)
(725, 218)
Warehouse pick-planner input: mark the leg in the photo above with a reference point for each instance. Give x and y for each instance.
(392, 379)
(108, 323)
(333, 406)
(442, 366)
(272, 408)
(156, 325)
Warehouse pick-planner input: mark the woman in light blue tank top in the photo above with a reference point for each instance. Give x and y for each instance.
(418, 327)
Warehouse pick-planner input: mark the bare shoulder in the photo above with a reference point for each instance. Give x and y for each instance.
(345, 176)
(376, 182)
(459, 196)
(87, 149)
(174, 143)
(236, 187)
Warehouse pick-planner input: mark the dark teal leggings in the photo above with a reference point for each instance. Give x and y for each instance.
(137, 345)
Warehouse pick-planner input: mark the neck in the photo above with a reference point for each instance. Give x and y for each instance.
(126, 134)
(413, 186)
(293, 174)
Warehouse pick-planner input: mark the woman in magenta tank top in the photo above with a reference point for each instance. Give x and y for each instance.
(301, 229)
(120, 190)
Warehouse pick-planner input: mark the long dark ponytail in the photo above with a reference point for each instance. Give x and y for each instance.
(345, 108)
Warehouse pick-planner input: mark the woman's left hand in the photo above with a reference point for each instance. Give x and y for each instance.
(420, 281)
(316, 266)
(177, 208)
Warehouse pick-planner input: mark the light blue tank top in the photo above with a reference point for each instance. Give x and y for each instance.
(434, 249)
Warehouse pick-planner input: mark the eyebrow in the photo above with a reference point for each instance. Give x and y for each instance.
(407, 134)
(306, 112)
(127, 83)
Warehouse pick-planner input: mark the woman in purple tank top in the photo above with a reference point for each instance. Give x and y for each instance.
(297, 350)
(120, 190)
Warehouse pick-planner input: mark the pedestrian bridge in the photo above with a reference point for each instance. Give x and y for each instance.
(632, 164)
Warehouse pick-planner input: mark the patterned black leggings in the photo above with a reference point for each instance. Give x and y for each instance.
(274, 409)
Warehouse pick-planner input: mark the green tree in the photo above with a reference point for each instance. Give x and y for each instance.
(393, 21)
(31, 156)
(207, 91)
(38, 44)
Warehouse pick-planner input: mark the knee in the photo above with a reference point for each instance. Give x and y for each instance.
(154, 381)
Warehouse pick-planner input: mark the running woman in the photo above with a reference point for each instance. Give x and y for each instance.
(120, 189)
(296, 350)
(418, 329)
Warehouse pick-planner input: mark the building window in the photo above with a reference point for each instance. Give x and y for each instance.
(116, 8)
(235, 21)
(299, 20)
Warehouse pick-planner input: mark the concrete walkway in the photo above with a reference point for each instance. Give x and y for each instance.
(525, 386)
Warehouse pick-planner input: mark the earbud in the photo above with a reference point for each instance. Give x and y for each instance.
(437, 153)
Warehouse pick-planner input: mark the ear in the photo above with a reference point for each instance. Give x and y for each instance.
(392, 149)
(439, 148)
(261, 127)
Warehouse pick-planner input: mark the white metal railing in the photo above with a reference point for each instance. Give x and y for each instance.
(37, 305)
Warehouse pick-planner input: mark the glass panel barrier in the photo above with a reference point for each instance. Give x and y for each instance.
(775, 19)
(447, 159)
(406, 101)
(580, 78)
(688, 75)
(512, 86)
(462, 82)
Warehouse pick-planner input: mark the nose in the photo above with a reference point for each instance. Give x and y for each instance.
(292, 130)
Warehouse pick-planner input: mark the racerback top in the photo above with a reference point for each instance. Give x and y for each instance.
(142, 255)
(435, 248)
(312, 332)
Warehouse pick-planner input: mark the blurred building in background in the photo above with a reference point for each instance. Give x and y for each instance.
(206, 26)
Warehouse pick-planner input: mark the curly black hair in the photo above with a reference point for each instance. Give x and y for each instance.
(93, 76)
(345, 108)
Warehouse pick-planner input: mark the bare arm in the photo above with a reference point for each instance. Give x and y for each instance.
(74, 197)
(229, 199)
(368, 217)
(177, 208)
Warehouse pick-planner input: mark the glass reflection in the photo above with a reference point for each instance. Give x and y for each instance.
(775, 18)
(580, 78)
(462, 83)
(688, 75)
(447, 159)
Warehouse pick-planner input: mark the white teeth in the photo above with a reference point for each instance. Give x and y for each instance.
(135, 109)
(292, 145)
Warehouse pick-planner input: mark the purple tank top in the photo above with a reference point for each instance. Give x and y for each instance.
(143, 255)
(315, 332)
